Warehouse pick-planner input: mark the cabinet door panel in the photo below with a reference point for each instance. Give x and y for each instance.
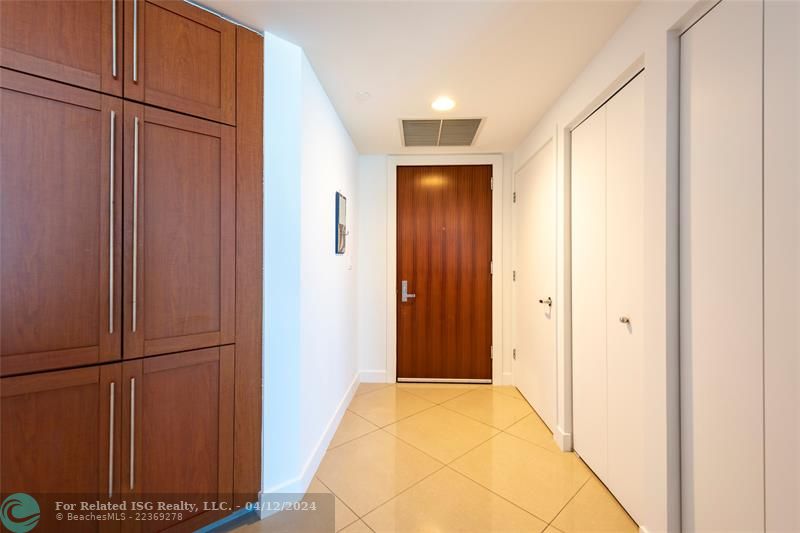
(60, 248)
(182, 429)
(72, 42)
(58, 440)
(185, 59)
(185, 234)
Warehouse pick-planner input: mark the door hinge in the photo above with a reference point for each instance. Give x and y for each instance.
(514, 354)
(491, 352)
(491, 183)
(514, 197)
(513, 275)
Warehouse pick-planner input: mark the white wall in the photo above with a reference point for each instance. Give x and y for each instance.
(372, 258)
(310, 366)
(649, 39)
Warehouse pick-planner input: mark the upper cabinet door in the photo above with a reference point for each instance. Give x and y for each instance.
(180, 210)
(60, 225)
(180, 57)
(79, 43)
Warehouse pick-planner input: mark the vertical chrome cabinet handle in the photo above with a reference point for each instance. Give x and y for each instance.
(135, 40)
(114, 38)
(135, 214)
(111, 441)
(133, 426)
(111, 225)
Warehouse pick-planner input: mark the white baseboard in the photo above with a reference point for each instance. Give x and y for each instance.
(298, 486)
(642, 529)
(507, 378)
(373, 376)
(563, 440)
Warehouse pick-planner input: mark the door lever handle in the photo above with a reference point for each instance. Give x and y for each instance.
(625, 320)
(548, 302)
(404, 294)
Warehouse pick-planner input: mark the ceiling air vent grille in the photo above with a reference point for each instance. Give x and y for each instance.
(448, 132)
(421, 132)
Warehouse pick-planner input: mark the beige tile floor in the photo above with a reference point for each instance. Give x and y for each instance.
(442, 458)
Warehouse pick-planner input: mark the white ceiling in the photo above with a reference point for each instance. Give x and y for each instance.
(506, 62)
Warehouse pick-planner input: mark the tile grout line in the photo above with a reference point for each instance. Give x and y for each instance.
(466, 391)
(546, 524)
(442, 467)
(536, 444)
(481, 421)
(343, 503)
(375, 428)
(568, 502)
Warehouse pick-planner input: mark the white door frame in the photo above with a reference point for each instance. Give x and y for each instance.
(496, 160)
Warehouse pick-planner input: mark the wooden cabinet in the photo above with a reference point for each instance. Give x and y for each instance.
(180, 57)
(60, 225)
(179, 232)
(154, 429)
(119, 172)
(179, 409)
(79, 43)
(60, 435)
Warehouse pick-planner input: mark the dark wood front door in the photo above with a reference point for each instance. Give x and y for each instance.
(444, 252)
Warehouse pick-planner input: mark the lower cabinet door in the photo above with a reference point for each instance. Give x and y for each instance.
(177, 437)
(58, 433)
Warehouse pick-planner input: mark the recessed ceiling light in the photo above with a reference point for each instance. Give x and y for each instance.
(443, 103)
(363, 96)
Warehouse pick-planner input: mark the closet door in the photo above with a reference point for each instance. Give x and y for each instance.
(79, 43)
(180, 57)
(782, 264)
(625, 327)
(177, 432)
(179, 232)
(589, 392)
(722, 426)
(60, 225)
(59, 438)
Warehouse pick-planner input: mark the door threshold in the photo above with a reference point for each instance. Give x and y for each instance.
(442, 380)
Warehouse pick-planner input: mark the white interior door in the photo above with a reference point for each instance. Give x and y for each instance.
(589, 391)
(625, 286)
(782, 264)
(535, 271)
(721, 271)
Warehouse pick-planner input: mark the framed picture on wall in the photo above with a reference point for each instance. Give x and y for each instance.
(341, 223)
